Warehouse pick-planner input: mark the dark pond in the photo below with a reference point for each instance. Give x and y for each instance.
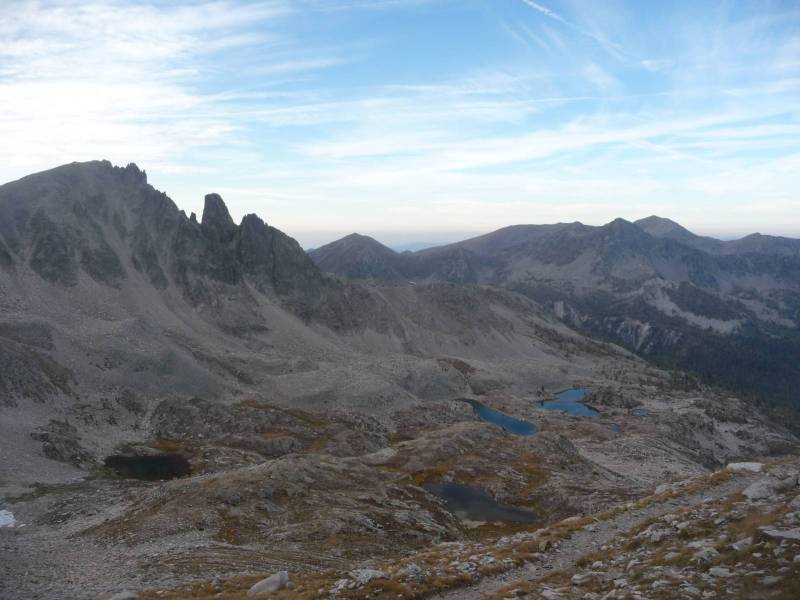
(475, 504)
(151, 468)
(507, 422)
(569, 401)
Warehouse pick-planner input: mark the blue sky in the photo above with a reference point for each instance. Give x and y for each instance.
(419, 119)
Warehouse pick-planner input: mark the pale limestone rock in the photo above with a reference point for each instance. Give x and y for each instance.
(273, 583)
(752, 467)
(364, 576)
(784, 534)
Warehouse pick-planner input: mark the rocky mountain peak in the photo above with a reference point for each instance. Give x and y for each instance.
(216, 219)
(659, 226)
(135, 173)
(622, 229)
(619, 223)
(360, 256)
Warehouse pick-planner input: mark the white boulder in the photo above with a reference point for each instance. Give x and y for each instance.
(752, 467)
(783, 534)
(762, 489)
(364, 576)
(273, 583)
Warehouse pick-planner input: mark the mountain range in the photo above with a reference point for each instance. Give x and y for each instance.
(726, 310)
(187, 405)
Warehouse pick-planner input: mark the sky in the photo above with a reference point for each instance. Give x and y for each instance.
(419, 120)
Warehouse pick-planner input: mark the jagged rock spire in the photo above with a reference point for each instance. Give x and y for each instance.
(216, 219)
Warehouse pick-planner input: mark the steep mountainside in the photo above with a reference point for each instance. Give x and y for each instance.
(728, 311)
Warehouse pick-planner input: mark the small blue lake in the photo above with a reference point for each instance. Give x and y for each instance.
(475, 504)
(507, 422)
(569, 401)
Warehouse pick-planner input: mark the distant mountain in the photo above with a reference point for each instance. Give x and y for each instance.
(414, 246)
(666, 228)
(764, 244)
(615, 256)
(728, 310)
(751, 244)
(359, 257)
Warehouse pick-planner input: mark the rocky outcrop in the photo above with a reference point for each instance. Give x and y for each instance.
(217, 223)
(60, 442)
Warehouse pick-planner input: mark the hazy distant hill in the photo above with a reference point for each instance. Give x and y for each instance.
(359, 257)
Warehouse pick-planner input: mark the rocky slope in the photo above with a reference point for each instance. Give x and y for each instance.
(733, 533)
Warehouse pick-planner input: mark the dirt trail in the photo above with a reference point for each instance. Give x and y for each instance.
(590, 539)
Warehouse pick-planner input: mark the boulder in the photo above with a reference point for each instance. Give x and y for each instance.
(752, 467)
(690, 590)
(412, 571)
(364, 576)
(380, 457)
(742, 544)
(341, 585)
(581, 578)
(783, 534)
(705, 555)
(764, 488)
(273, 583)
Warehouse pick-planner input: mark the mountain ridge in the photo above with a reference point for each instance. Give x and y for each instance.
(652, 286)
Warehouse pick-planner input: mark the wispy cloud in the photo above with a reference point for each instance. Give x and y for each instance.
(132, 81)
(364, 115)
(599, 77)
(611, 46)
